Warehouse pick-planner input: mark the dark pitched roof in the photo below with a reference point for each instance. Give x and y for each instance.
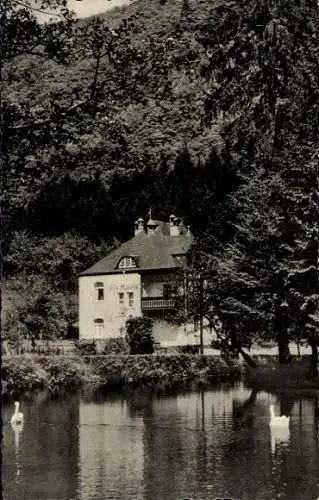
(154, 251)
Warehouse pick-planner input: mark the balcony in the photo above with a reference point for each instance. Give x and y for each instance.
(157, 304)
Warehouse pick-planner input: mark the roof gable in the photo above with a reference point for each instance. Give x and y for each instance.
(151, 251)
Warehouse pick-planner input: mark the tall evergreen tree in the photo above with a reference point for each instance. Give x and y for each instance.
(272, 137)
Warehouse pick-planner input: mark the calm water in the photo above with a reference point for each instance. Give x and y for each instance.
(146, 445)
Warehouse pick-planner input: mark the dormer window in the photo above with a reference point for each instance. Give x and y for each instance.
(127, 262)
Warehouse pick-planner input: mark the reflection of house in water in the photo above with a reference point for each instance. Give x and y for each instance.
(181, 441)
(111, 451)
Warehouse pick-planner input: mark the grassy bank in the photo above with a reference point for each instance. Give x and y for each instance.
(269, 374)
(27, 373)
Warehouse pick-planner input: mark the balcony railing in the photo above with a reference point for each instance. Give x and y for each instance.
(157, 303)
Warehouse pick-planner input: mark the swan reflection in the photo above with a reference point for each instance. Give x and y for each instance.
(279, 435)
(17, 428)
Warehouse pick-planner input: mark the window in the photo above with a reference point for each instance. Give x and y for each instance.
(121, 303)
(130, 299)
(126, 262)
(99, 286)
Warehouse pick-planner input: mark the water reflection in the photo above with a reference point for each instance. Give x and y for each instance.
(111, 456)
(47, 449)
(147, 444)
(280, 431)
(279, 436)
(17, 428)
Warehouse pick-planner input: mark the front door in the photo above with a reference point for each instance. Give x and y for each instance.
(98, 329)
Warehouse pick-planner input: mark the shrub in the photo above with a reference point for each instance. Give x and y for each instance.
(189, 349)
(117, 370)
(216, 344)
(116, 346)
(85, 348)
(139, 335)
(63, 372)
(22, 374)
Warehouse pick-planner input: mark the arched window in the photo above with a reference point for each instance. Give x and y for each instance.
(127, 262)
(99, 286)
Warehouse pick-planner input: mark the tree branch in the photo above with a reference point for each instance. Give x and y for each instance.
(35, 9)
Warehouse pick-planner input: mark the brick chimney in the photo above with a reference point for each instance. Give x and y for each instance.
(151, 226)
(139, 226)
(174, 225)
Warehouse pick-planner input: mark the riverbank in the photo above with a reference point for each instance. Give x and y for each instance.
(29, 373)
(269, 374)
(23, 373)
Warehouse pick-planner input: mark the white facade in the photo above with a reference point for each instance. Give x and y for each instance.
(106, 302)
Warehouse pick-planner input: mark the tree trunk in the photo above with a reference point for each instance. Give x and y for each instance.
(33, 343)
(240, 410)
(283, 348)
(238, 348)
(314, 360)
(298, 347)
(281, 327)
(235, 344)
(247, 358)
(234, 341)
(93, 97)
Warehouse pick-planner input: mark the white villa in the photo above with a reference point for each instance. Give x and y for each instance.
(137, 278)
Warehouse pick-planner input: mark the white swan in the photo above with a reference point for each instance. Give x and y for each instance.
(282, 421)
(17, 417)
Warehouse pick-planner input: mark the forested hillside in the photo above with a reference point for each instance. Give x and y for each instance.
(204, 109)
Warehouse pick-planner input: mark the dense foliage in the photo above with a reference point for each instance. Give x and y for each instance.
(139, 335)
(265, 279)
(207, 110)
(56, 373)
